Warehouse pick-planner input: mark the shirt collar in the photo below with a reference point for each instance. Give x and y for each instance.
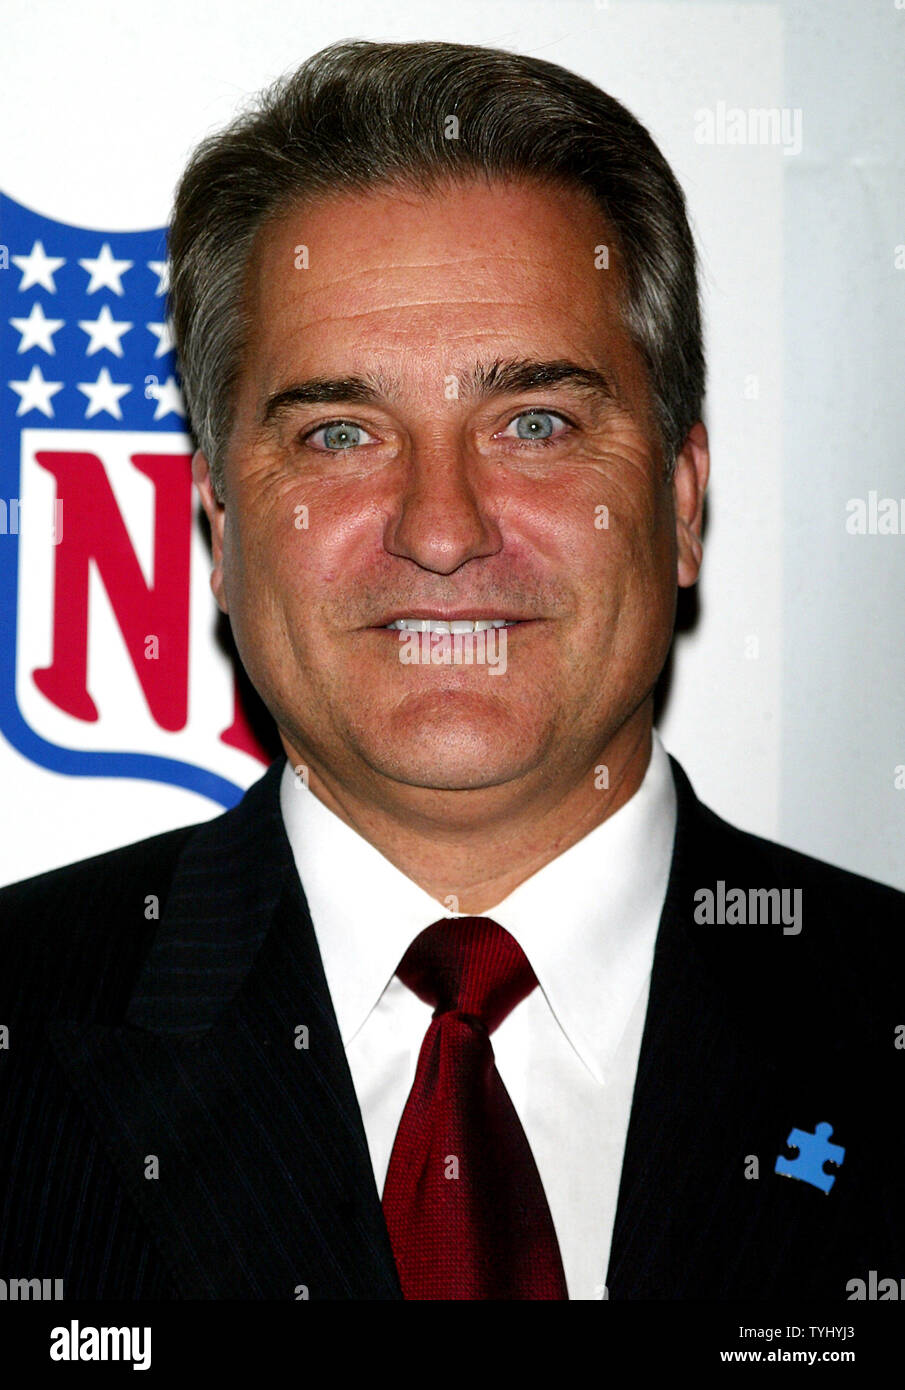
(587, 921)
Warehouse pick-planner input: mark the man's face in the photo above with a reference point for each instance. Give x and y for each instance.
(434, 495)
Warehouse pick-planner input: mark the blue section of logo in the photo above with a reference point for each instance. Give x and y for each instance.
(90, 296)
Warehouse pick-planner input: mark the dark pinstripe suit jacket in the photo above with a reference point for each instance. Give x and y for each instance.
(133, 1039)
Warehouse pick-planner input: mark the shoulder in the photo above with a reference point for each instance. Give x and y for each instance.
(100, 882)
(709, 842)
(74, 931)
(786, 920)
(72, 940)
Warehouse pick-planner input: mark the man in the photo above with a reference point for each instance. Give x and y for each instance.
(470, 997)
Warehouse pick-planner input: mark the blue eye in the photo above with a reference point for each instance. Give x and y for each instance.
(537, 425)
(338, 435)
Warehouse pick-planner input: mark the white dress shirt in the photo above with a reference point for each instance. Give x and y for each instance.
(568, 1053)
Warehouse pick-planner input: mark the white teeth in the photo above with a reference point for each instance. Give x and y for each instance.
(456, 625)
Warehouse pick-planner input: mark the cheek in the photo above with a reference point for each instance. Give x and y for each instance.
(627, 575)
(253, 577)
(642, 527)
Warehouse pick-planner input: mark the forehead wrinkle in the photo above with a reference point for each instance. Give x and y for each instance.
(444, 302)
(337, 277)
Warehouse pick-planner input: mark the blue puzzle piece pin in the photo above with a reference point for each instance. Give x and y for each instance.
(813, 1151)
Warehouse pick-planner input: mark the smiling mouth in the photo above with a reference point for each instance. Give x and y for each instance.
(453, 627)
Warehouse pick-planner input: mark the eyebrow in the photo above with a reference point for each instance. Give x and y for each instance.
(504, 378)
(499, 378)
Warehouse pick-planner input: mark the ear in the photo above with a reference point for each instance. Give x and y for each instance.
(689, 485)
(216, 515)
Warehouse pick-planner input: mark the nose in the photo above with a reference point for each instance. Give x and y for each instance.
(441, 519)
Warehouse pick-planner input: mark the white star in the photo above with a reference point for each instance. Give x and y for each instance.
(105, 332)
(162, 270)
(103, 394)
(36, 330)
(35, 393)
(168, 398)
(38, 268)
(105, 270)
(163, 332)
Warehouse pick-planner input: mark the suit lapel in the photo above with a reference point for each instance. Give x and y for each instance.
(230, 1073)
(688, 1072)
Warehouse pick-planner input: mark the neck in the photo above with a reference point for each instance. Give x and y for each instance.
(469, 864)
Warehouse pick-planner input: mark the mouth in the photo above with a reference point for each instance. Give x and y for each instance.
(422, 620)
(452, 627)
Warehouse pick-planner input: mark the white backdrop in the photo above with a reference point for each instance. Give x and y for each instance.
(787, 699)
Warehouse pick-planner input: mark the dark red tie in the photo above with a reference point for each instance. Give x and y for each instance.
(463, 1200)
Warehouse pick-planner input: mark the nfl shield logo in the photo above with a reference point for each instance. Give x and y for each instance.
(115, 661)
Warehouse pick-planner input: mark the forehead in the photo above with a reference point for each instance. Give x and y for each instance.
(405, 272)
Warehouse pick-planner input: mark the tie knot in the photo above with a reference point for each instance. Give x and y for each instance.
(468, 965)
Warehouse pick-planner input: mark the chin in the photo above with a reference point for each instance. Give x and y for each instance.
(449, 754)
(447, 773)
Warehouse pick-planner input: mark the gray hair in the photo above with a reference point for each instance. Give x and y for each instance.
(360, 115)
